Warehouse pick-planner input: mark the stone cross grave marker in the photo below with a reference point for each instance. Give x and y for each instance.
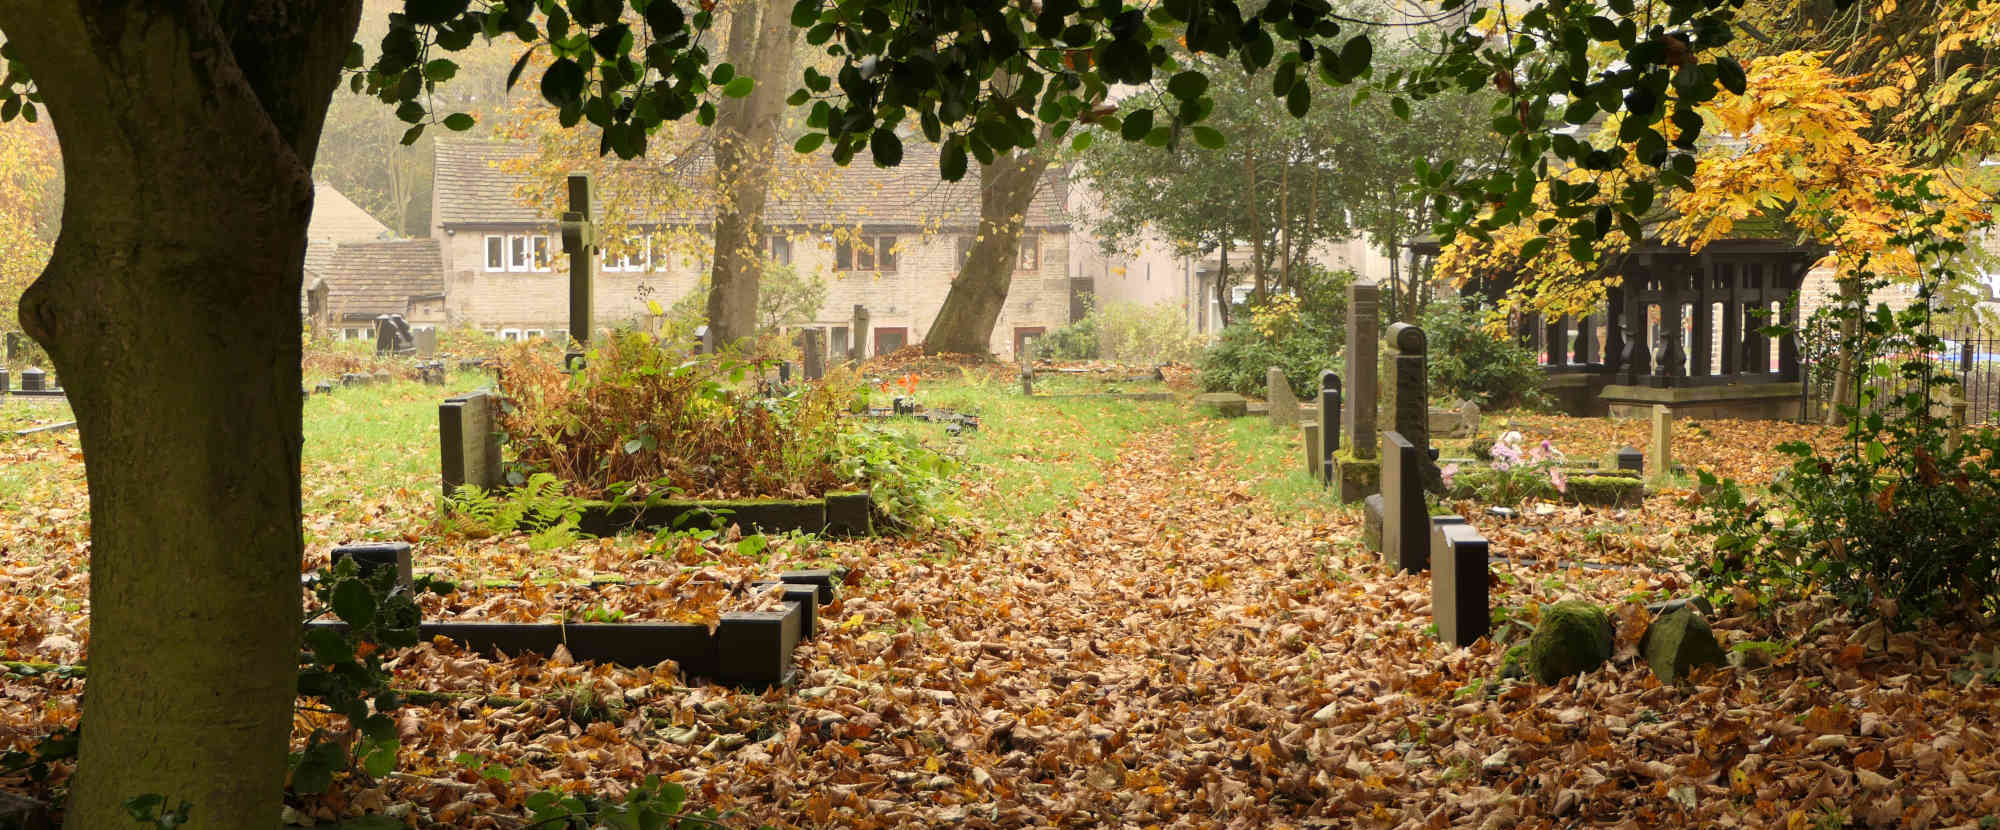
(1660, 454)
(1460, 603)
(1284, 404)
(1406, 541)
(1357, 417)
(469, 442)
(579, 235)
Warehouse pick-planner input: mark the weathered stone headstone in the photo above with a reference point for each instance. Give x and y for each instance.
(814, 356)
(1311, 435)
(1460, 605)
(323, 388)
(1278, 391)
(32, 379)
(859, 350)
(427, 342)
(470, 442)
(5, 382)
(1461, 421)
(1406, 542)
(1409, 393)
(1027, 377)
(1660, 454)
(1371, 522)
(579, 236)
(1631, 459)
(1357, 416)
(1677, 642)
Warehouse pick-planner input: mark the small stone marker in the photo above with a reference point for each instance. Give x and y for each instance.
(1310, 434)
(5, 381)
(1631, 459)
(1284, 404)
(1677, 642)
(1357, 416)
(814, 354)
(371, 557)
(1460, 604)
(1660, 455)
(323, 388)
(1027, 378)
(32, 379)
(1371, 521)
(1406, 544)
(1228, 404)
(859, 350)
(1329, 421)
(14, 345)
(470, 443)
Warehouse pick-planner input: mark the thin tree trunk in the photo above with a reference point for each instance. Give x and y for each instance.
(171, 309)
(1222, 284)
(1285, 228)
(1843, 373)
(1256, 229)
(760, 42)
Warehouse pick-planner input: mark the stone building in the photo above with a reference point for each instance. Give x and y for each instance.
(888, 240)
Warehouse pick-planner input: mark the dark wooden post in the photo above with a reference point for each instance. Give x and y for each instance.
(1732, 318)
(1702, 328)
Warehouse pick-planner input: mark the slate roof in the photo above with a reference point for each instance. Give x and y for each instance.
(338, 219)
(473, 189)
(369, 278)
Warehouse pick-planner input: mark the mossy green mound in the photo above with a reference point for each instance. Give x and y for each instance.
(1573, 637)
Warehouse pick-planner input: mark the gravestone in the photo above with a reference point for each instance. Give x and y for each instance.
(1226, 404)
(702, 340)
(858, 351)
(1660, 454)
(1959, 417)
(1460, 605)
(1027, 377)
(33, 379)
(1409, 392)
(393, 336)
(785, 373)
(5, 382)
(1405, 519)
(1329, 420)
(323, 388)
(1357, 415)
(1284, 404)
(579, 237)
(1631, 459)
(1311, 435)
(1371, 522)
(470, 442)
(814, 354)
(14, 347)
(374, 556)
(427, 342)
(1461, 421)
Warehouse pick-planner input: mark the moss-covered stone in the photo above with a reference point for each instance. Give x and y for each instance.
(1607, 490)
(1355, 478)
(1573, 637)
(1511, 663)
(1677, 642)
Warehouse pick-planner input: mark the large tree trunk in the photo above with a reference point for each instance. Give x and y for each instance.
(760, 42)
(971, 308)
(171, 309)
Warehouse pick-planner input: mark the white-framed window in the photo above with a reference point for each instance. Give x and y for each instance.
(510, 335)
(638, 258)
(353, 334)
(872, 253)
(543, 253)
(1031, 253)
(496, 252)
(532, 334)
(519, 252)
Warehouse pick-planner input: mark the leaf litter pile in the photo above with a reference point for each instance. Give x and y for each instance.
(1166, 651)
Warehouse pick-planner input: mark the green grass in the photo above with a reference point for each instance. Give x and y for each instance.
(1031, 457)
(1274, 462)
(367, 441)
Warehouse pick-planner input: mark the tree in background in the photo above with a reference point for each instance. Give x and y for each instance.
(30, 204)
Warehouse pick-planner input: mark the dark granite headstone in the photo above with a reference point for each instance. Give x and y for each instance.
(1632, 459)
(1405, 519)
(1460, 605)
(6, 382)
(1329, 422)
(1409, 391)
(371, 557)
(33, 379)
(469, 442)
(1358, 418)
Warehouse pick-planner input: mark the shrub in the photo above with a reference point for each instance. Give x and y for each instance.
(642, 420)
(1898, 521)
(1076, 341)
(1299, 333)
(1152, 334)
(1469, 360)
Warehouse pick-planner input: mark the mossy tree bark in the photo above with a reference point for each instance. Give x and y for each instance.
(170, 307)
(964, 324)
(760, 44)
